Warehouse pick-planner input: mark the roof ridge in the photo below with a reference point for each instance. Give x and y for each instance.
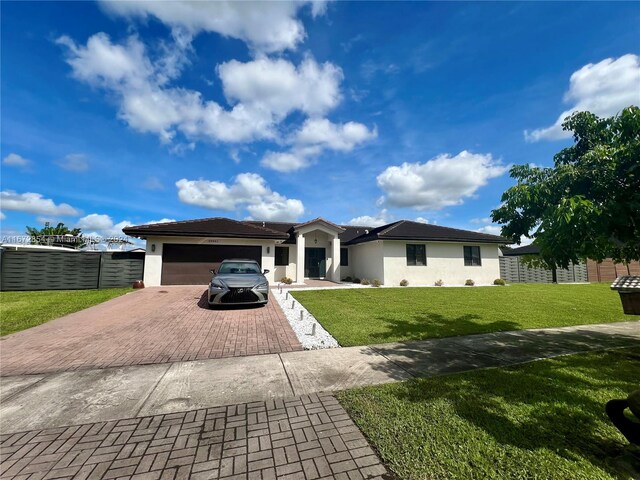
(442, 227)
(144, 225)
(270, 221)
(391, 226)
(358, 226)
(247, 222)
(318, 219)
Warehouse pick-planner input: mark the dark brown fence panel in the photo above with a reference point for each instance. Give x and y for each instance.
(23, 270)
(120, 269)
(509, 269)
(57, 270)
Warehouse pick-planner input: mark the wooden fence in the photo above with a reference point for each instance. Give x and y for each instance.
(608, 271)
(514, 270)
(22, 270)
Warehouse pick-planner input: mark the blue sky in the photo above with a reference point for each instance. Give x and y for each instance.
(363, 113)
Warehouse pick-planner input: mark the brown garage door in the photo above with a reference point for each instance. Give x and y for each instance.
(190, 264)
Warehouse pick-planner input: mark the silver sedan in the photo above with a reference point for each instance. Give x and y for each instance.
(238, 282)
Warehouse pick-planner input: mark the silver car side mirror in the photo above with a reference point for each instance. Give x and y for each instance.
(265, 272)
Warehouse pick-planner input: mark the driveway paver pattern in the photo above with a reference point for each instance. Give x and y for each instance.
(307, 437)
(154, 325)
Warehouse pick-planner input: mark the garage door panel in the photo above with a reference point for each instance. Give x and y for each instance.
(184, 264)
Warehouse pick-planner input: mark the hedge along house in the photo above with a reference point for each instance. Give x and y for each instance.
(182, 253)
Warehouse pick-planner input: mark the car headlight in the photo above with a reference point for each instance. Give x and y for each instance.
(262, 285)
(217, 283)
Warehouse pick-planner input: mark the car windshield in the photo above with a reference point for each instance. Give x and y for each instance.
(239, 267)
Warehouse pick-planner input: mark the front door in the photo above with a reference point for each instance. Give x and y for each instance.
(315, 262)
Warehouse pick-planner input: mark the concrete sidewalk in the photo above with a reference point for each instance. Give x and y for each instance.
(35, 402)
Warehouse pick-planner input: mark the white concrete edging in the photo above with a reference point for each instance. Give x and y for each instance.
(309, 331)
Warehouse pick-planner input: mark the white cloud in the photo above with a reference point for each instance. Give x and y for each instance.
(74, 162)
(235, 155)
(525, 241)
(182, 148)
(2, 216)
(162, 220)
(276, 208)
(315, 136)
(263, 92)
(148, 105)
(95, 221)
(279, 87)
(421, 220)
(603, 88)
(248, 190)
(382, 218)
(479, 221)
(34, 203)
(265, 26)
(15, 160)
(343, 137)
(286, 161)
(102, 225)
(440, 182)
(490, 229)
(102, 63)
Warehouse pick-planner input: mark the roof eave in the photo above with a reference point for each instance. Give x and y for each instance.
(500, 241)
(147, 233)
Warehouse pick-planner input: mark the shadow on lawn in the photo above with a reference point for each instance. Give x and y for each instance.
(434, 325)
(553, 405)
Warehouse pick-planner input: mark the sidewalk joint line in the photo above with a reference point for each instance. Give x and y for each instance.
(155, 386)
(284, 367)
(28, 387)
(378, 352)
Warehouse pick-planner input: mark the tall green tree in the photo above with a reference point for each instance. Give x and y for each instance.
(58, 236)
(588, 204)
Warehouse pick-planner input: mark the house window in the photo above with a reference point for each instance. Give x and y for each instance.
(282, 256)
(472, 256)
(416, 254)
(344, 257)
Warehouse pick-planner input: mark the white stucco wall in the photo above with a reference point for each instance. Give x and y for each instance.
(385, 261)
(153, 260)
(445, 261)
(366, 261)
(348, 270)
(288, 270)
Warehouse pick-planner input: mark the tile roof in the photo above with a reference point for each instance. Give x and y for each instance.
(626, 282)
(225, 227)
(217, 226)
(525, 250)
(319, 220)
(408, 230)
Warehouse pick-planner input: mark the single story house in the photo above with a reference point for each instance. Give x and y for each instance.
(182, 253)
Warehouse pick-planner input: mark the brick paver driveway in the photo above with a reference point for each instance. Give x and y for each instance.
(305, 438)
(154, 325)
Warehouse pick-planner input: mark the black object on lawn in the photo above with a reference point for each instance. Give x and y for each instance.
(627, 426)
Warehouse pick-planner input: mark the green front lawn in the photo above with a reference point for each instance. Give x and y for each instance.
(543, 420)
(368, 316)
(21, 310)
